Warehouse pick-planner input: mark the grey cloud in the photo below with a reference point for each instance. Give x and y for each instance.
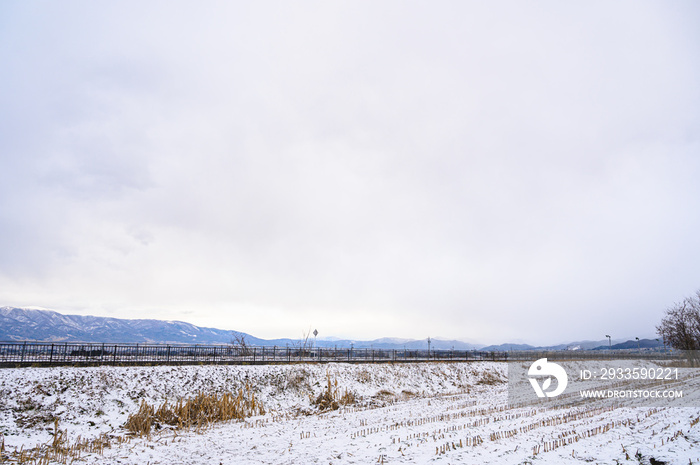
(379, 169)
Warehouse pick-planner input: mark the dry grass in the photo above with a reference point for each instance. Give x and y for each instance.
(59, 450)
(298, 380)
(385, 395)
(331, 398)
(490, 378)
(197, 412)
(364, 375)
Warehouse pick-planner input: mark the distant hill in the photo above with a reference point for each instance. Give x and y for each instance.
(576, 345)
(22, 324)
(400, 344)
(632, 344)
(579, 345)
(507, 347)
(18, 324)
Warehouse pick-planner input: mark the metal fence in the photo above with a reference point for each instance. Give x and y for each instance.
(47, 354)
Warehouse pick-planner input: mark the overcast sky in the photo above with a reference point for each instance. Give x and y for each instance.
(487, 171)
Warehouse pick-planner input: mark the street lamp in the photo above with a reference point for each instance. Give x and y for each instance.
(609, 341)
(638, 350)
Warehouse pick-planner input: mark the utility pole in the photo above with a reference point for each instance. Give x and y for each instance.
(638, 350)
(428, 347)
(609, 341)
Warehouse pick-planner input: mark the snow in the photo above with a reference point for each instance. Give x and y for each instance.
(407, 413)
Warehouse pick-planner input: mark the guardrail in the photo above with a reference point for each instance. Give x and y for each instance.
(48, 354)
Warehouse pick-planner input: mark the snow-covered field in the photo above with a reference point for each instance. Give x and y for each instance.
(452, 413)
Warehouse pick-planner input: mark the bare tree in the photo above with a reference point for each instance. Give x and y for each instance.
(680, 327)
(239, 339)
(303, 345)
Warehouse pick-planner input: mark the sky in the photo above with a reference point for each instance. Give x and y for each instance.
(484, 171)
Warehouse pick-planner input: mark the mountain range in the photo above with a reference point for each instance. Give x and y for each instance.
(29, 324)
(580, 345)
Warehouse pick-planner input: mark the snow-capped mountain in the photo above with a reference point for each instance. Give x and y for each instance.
(22, 324)
(17, 324)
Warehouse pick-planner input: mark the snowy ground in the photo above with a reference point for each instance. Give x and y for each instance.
(452, 413)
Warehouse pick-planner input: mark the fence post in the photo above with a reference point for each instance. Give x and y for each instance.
(51, 355)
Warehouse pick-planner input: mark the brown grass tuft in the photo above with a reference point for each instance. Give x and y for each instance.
(331, 398)
(198, 412)
(490, 378)
(59, 450)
